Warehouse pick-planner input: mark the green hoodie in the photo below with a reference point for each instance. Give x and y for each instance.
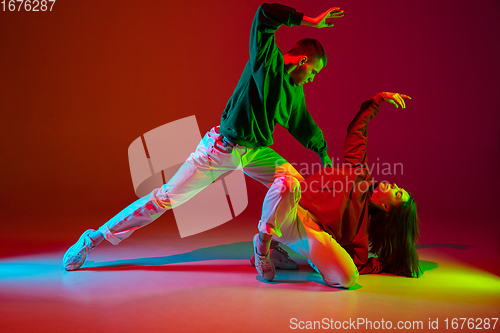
(266, 94)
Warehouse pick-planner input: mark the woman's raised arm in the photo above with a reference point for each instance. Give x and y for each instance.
(357, 131)
(395, 99)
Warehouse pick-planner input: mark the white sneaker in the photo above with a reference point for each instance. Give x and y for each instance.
(76, 255)
(279, 256)
(263, 264)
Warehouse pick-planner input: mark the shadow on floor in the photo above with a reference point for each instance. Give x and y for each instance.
(451, 246)
(426, 266)
(234, 251)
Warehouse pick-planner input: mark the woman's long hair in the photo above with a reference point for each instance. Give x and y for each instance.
(393, 236)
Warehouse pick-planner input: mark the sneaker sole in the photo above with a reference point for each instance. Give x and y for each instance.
(68, 255)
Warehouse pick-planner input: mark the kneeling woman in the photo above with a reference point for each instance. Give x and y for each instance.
(334, 216)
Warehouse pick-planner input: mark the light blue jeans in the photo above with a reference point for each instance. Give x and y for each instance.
(213, 157)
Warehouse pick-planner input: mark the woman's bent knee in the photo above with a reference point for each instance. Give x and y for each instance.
(351, 279)
(287, 183)
(287, 186)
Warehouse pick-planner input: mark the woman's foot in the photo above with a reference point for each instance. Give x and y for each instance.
(263, 264)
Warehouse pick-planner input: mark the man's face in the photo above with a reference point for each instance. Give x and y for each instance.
(306, 70)
(390, 195)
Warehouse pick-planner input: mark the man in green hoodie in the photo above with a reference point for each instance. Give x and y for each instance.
(269, 92)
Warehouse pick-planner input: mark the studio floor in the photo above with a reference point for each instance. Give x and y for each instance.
(158, 282)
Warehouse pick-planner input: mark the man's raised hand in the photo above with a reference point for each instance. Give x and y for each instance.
(320, 20)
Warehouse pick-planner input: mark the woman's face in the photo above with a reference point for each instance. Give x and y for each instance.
(386, 196)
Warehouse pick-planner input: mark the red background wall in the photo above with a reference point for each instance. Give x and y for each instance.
(80, 83)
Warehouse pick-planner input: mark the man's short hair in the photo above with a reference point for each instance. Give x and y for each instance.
(309, 47)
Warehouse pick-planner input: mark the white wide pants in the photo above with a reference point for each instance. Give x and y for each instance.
(213, 157)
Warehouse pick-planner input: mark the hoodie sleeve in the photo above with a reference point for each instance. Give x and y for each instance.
(357, 133)
(302, 127)
(267, 20)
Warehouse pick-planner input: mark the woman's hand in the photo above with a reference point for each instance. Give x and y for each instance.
(320, 20)
(395, 99)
